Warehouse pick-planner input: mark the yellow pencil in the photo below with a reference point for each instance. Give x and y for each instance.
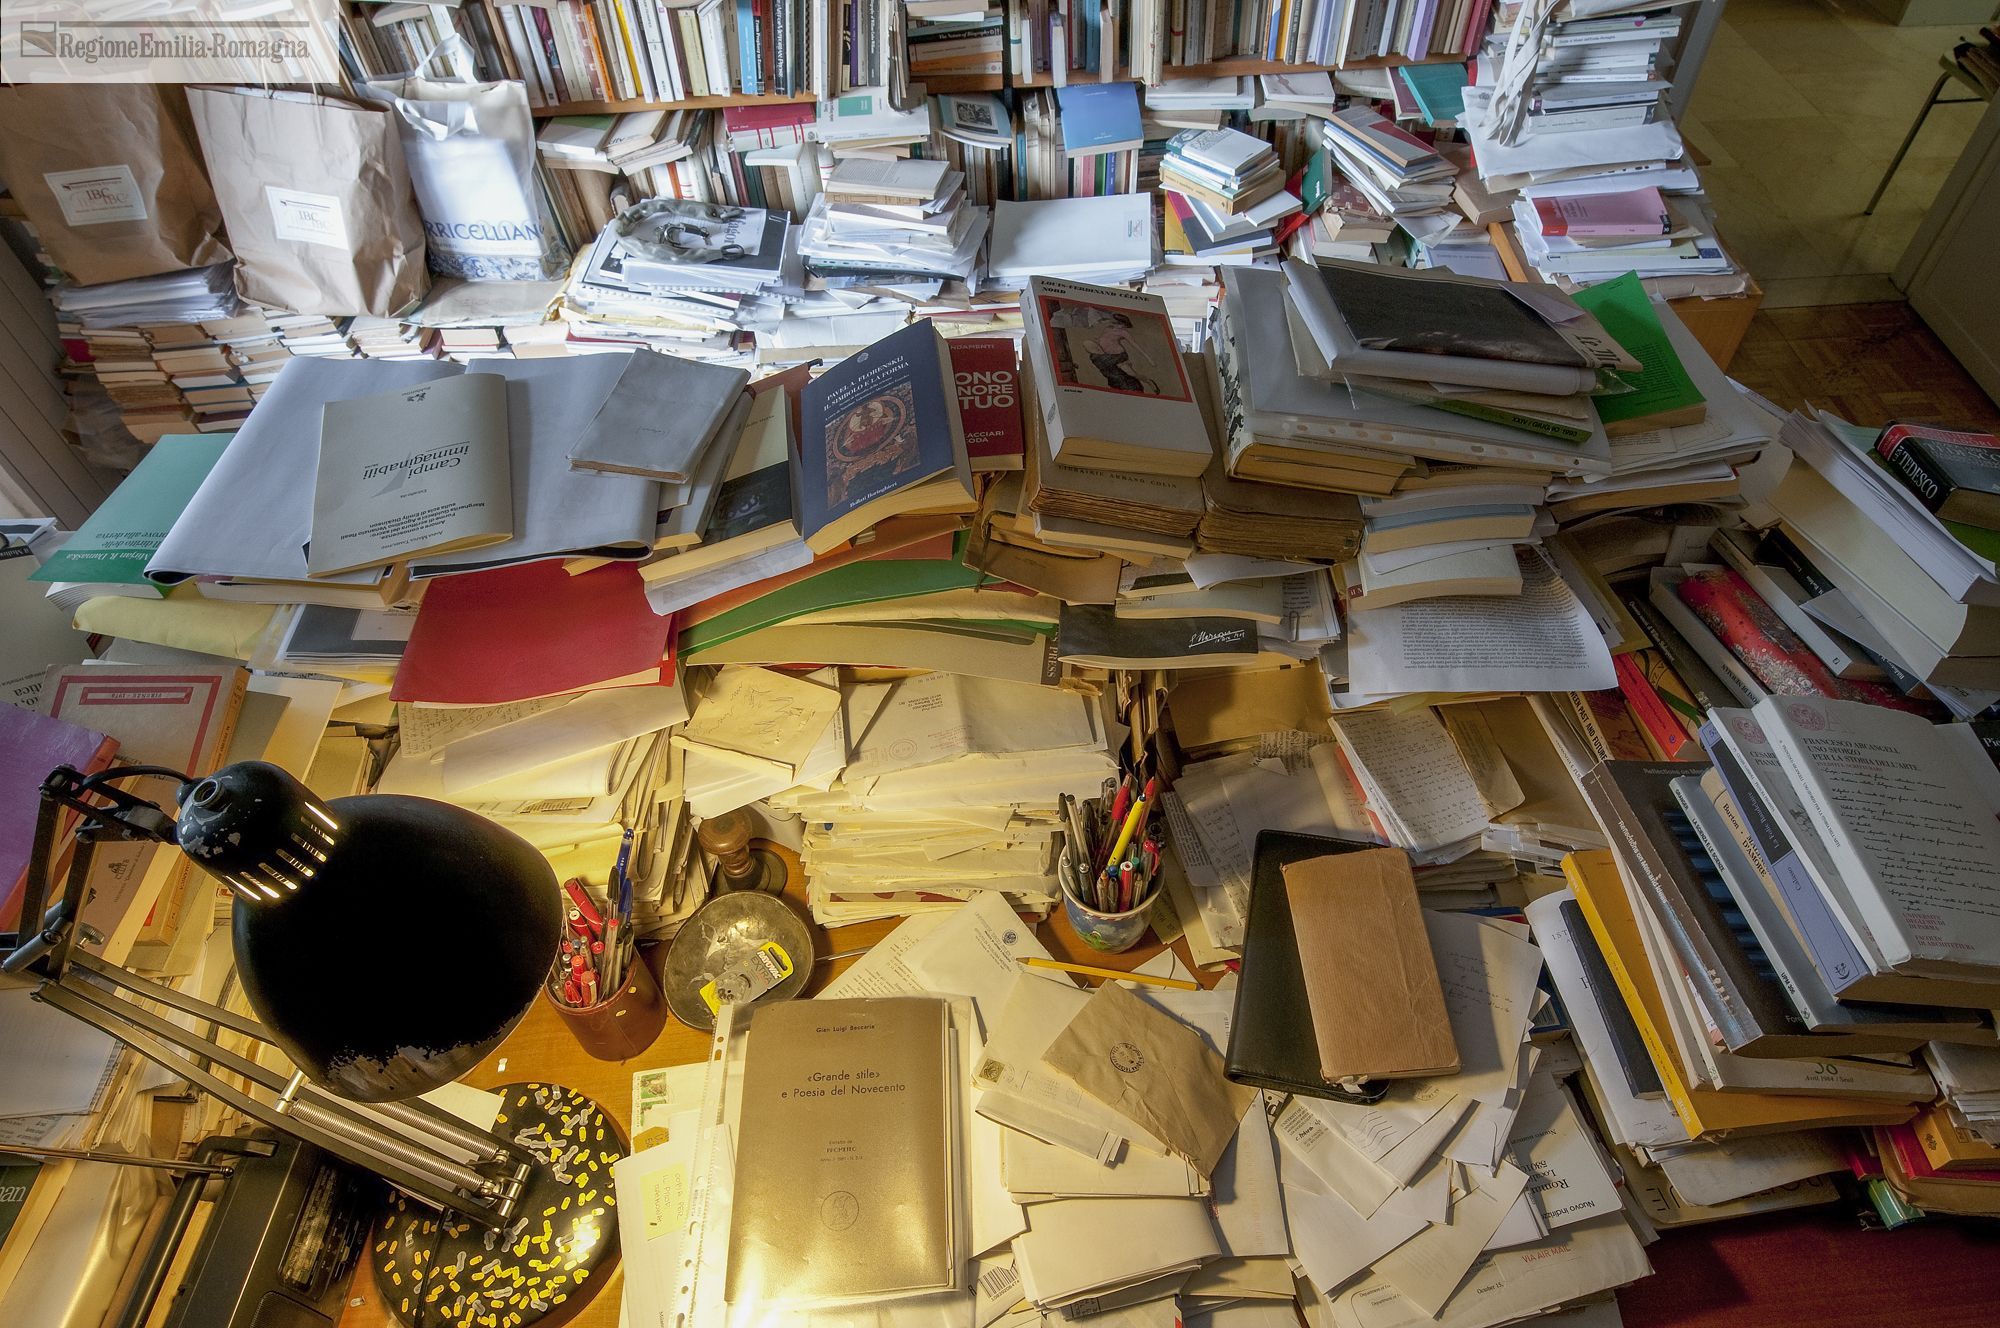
(1179, 984)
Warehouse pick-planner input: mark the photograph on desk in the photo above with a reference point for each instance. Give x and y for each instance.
(1112, 664)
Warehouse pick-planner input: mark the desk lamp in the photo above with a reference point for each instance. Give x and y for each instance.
(387, 944)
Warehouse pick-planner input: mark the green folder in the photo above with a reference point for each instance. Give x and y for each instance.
(1662, 383)
(116, 541)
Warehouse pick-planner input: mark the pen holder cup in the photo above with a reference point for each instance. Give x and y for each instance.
(1109, 932)
(624, 1023)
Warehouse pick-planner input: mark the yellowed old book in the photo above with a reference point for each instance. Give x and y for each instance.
(1593, 877)
(1950, 1146)
(846, 1169)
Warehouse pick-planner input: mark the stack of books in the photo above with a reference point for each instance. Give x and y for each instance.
(1398, 173)
(883, 222)
(1581, 117)
(934, 808)
(1229, 171)
(681, 277)
(955, 37)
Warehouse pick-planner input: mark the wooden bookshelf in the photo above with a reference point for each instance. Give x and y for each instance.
(1234, 67)
(691, 103)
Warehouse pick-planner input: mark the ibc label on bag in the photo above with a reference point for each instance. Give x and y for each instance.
(309, 218)
(97, 195)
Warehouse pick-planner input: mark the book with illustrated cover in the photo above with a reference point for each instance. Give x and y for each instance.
(880, 435)
(1113, 391)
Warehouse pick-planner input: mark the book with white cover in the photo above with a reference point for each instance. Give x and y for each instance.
(1907, 812)
(1108, 233)
(418, 470)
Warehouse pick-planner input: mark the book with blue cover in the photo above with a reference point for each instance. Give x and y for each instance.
(1100, 117)
(880, 435)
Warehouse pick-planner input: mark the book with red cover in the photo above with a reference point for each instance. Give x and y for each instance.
(520, 633)
(988, 378)
(32, 745)
(1654, 716)
(1630, 213)
(1785, 665)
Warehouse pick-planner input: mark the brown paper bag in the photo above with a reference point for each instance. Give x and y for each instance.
(317, 199)
(110, 176)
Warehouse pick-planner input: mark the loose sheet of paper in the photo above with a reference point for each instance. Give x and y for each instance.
(761, 718)
(1542, 640)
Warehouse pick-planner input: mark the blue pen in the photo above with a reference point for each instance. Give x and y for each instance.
(621, 883)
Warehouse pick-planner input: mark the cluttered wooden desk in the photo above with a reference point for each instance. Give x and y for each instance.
(542, 1048)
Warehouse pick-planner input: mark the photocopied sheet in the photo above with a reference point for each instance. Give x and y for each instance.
(1542, 640)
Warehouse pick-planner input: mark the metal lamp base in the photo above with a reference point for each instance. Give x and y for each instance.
(436, 1271)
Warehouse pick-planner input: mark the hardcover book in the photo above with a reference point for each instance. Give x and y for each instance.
(1954, 474)
(881, 435)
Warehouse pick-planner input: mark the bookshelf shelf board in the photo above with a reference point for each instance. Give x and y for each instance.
(691, 103)
(1233, 67)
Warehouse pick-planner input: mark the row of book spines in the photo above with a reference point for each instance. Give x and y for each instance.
(576, 51)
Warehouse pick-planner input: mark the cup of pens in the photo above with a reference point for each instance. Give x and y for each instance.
(601, 985)
(1110, 866)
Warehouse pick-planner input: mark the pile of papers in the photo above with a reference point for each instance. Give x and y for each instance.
(1399, 174)
(947, 790)
(1570, 114)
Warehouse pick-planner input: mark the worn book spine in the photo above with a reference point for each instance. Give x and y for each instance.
(1632, 801)
(1607, 726)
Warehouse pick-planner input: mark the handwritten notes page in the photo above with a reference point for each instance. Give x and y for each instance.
(1417, 784)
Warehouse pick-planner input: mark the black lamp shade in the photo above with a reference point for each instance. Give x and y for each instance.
(387, 943)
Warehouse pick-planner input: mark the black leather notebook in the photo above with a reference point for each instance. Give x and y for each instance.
(1271, 1041)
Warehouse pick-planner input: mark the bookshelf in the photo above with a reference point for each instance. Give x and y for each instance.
(1234, 67)
(940, 83)
(691, 104)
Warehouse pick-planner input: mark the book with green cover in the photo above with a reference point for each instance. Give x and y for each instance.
(1439, 91)
(117, 540)
(1661, 389)
(866, 581)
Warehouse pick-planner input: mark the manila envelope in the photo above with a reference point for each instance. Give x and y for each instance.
(1149, 1066)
